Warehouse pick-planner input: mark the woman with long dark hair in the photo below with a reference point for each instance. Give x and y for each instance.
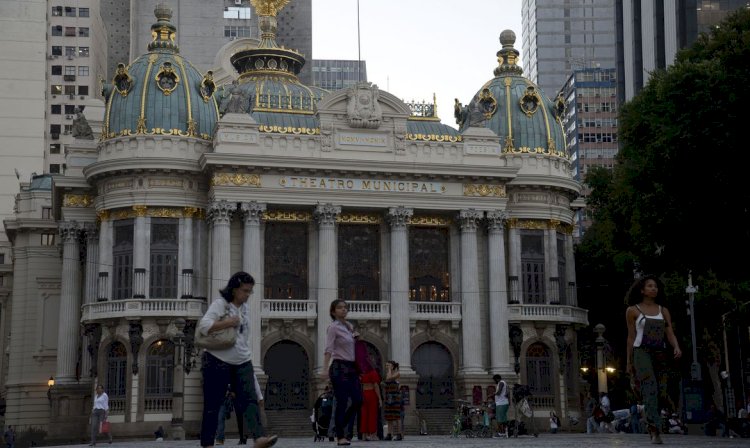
(232, 365)
(339, 353)
(649, 329)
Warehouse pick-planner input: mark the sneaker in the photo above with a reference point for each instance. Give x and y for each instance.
(265, 442)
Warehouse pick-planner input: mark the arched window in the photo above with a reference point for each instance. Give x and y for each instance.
(116, 380)
(159, 376)
(539, 374)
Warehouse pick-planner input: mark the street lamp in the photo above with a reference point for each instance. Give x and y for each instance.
(178, 402)
(50, 383)
(695, 367)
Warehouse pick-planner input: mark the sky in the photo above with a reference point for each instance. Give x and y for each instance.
(414, 48)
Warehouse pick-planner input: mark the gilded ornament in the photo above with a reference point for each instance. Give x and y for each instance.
(78, 200)
(237, 180)
(487, 103)
(484, 190)
(190, 212)
(529, 102)
(165, 212)
(208, 86)
(359, 218)
(287, 216)
(289, 130)
(434, 138)
(102, 215)
(268, 7)
(122, 80)
(431, 221)
(140, 210)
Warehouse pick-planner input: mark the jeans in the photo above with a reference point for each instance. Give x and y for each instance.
(345, 380)
(649, 369)
(97, 417)
(216, 375)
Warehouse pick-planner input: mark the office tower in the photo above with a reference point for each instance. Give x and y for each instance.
(205, 28)
(590, 125)
(560, 36)
(650, 33)
(337, 74)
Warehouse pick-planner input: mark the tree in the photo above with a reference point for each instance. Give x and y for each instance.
(677, 199)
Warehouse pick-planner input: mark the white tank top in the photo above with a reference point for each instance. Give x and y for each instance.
(640, 323)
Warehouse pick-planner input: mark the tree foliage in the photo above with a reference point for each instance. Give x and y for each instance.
(678, 198)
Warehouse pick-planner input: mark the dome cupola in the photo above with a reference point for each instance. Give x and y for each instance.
(160, 93)
(515, 108)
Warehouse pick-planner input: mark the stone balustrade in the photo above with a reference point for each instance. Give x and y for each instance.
(140, 308)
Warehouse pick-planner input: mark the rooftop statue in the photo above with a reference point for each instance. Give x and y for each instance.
(81, 127)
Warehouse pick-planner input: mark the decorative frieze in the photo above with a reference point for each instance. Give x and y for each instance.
(154, 212)
(236, 180)
(359, 218)
(78, 200)
(430, 221)
(287, 216)
(540, 224)
(484, 190)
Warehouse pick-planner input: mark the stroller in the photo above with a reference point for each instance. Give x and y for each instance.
(322, 416)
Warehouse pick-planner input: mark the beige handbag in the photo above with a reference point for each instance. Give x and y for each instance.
(216, 340)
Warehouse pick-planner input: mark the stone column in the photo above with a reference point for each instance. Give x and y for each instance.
(498, 297)
(470, 306)
(252, 259)
(325, 215)
(70, 304)
(514, 267)
(104, 289)
(398, 217)
(570, 275)
(553, 289)
(187, 262)
(141, 245)
(201, 247)
(220, 215)
(91, 273)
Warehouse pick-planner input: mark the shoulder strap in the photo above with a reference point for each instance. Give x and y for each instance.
(639, 309)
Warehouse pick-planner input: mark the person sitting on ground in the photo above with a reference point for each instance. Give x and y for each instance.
(159, 434)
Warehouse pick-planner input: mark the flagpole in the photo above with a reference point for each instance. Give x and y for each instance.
(359, 50)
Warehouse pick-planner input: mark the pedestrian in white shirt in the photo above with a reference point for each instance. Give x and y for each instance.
(99, 414)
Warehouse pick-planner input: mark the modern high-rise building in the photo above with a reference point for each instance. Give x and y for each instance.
(206, 28)
(590, 125)
(650, 33)
(337, 74)
(560, 36)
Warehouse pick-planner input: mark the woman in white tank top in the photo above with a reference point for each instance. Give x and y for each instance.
(649, 330)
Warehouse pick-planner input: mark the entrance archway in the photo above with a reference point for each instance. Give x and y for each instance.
(287, 366)
(434, 365)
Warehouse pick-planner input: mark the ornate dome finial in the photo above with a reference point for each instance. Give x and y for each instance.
(163, 33)
(267, 11)
(507, 57)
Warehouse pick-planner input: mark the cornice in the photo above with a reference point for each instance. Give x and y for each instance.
(137, 164)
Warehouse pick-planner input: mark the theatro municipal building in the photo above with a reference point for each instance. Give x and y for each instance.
(452, 246)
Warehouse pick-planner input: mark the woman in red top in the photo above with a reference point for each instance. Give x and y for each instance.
(371, 400)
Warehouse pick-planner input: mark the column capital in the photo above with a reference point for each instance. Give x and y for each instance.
(468, 219)
(399, 216)
(252, 212)
(496, 220)
(70, 231)
(326, 214)
(92, 232)
(220, 212)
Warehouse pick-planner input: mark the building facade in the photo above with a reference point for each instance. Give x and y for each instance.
(452, 247)
(560, 36)
(337, 74)
(590, 125)
(649, 35)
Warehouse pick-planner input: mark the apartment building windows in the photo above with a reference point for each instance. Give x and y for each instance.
(83, 52)
(232, 12)
(83, 90)
(54, 148)
(48, 239)
(70, 31)
(57, 11)
(55, 109)
(56, 70)
(56, 50)
(70, 52)
(56, 89)
(54, 130)
(83, 12)
(57, 30)
(67, 129)
(54, 168)
(70, 70)
(70, 11)
(70, 109)
(46, 212)
(83, 31)
(69, 90)
(236, 31)
(83, 70)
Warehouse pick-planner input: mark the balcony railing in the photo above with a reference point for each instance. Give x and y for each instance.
(369, 310)
(299, 309)
(114, 309)
(117, 406)
(158, 405)
(548, 313)
(435, 311)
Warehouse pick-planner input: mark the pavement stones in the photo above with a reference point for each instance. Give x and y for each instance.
(564, 440)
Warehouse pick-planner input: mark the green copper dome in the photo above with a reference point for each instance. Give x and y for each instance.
(268, 87)
(160, 93)
(515, 109)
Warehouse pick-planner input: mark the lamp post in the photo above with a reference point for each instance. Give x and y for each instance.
(178, 389)
(695, 367)
(50, 383)
(601, 373)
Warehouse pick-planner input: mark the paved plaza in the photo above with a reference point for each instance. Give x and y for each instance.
(544, 440)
